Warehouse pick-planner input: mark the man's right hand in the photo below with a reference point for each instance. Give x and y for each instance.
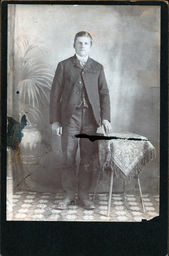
(56, 128)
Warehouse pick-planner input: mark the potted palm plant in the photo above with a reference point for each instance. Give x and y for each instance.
(34, 77)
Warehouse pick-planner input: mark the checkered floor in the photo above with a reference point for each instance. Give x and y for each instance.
(34, 206)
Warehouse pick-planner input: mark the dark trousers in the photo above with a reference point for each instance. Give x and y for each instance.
(82, 121)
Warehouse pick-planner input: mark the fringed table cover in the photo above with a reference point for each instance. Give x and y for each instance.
(125, 154)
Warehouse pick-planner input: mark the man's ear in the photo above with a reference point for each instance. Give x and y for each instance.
(73, 45)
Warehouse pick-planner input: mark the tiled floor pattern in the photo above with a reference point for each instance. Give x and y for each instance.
(34, 206)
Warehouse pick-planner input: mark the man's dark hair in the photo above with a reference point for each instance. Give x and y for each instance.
(83, 33)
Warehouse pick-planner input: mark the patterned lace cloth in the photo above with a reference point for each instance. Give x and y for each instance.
(125, 153)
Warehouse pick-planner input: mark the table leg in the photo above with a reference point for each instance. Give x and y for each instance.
(110, 193)
(141, 196)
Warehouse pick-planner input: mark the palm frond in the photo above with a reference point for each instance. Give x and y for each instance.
(44, 79)
(22, 87)
(35, 77)
(32, 98)
(34, 70)
(45, 75)
(31, 47)
(30, 90)
(44, 84)
(36, 94)
(43, 92)
(33, 113)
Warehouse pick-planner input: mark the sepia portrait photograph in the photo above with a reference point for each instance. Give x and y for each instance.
(83, 112)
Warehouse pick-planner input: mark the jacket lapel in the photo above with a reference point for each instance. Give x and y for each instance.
(88, 65)
(76, 62)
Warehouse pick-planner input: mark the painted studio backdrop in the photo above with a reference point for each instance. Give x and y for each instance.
(126, 40)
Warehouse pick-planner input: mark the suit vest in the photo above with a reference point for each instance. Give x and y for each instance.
(84, 101)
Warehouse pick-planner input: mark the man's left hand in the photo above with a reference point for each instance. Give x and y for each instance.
(107, 126)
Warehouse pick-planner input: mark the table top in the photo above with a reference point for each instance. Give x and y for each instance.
(125, 153)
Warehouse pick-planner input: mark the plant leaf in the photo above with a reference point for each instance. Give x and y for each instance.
(44, 84)
(44, 93)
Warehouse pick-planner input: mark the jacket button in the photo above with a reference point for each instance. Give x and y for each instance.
(80, 82)
(77, 92)
(83, 73)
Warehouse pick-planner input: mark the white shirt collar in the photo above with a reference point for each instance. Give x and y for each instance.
(82, 58)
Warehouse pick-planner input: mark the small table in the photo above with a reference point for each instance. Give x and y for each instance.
(124, 154)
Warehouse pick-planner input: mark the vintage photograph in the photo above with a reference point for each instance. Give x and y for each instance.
(83, 112)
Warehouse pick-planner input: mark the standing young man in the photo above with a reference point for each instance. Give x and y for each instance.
(79, 103)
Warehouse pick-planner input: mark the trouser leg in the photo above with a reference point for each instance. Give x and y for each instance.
(69, 150)
(84, 184)
(69, 147)
(88, 150)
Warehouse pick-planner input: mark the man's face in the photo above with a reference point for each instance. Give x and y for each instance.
(82, 46)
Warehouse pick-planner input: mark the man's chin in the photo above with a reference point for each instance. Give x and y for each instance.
(82, 54)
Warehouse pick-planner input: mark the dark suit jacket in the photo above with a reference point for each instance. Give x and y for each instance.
(65, 90)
